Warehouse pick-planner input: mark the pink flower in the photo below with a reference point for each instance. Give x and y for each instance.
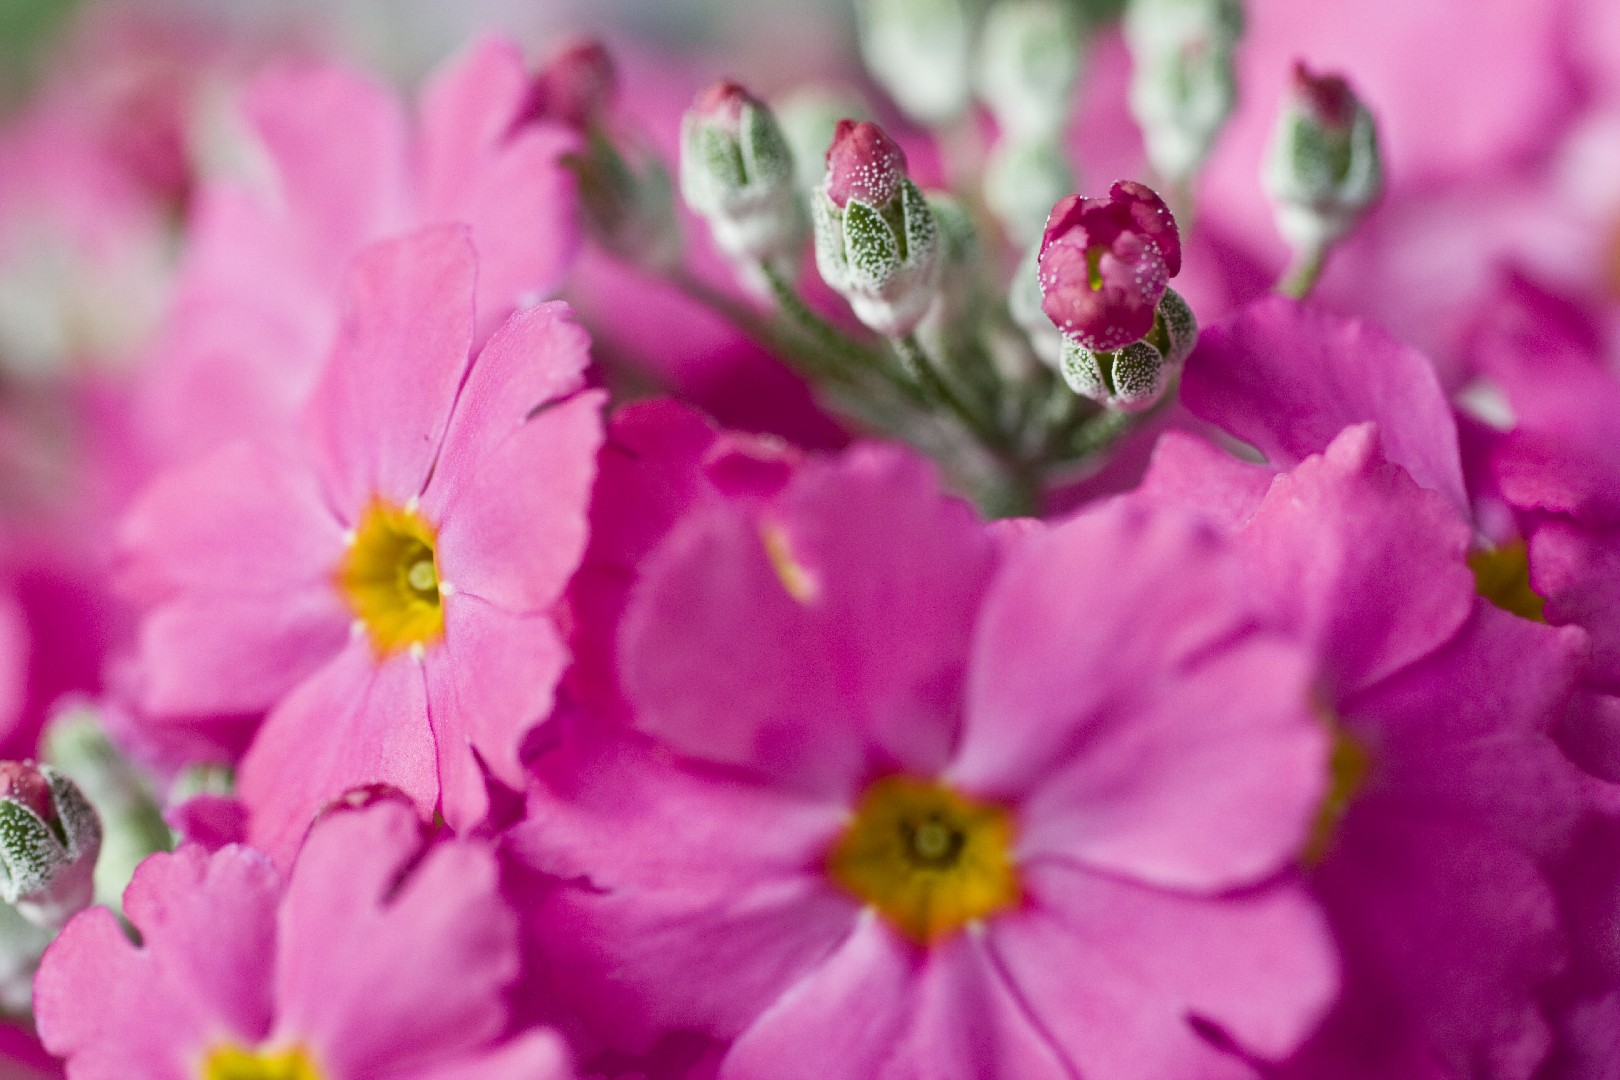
(13, 663)
(384, 589)
(1105, 264)
(379, 955)
(255, 315)
(660, 462)
(1448, 792)
(958, 801)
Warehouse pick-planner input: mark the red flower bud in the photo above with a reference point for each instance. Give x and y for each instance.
(863, 163)
(1105, 263)
(577, 86)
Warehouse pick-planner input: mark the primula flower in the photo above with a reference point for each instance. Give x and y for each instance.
(660, 462)
(1105, 264)
(378, 955)
(255, 314)
(1448, 793)
(938, 812)
(385, 592)
(1559, 471)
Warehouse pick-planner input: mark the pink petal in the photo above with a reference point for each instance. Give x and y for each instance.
(1118, 973)
(1287, 378)
(887, 575)
(1352, 554)
(13, 664)
(1085, 616)
(239, 552)
(534, 1055)
(815, 1029)
(1465, 735)
(338, 143)
(968, 1023)
(509, 491)
(693, 881)
(381, 409)
(390, 962)
(1206, 781)
(1578, 570)
(483, 162)
(488, 683)
(1189, 472)
(353, 723)
(200, 975)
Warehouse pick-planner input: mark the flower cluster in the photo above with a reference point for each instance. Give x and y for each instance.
(522, 579)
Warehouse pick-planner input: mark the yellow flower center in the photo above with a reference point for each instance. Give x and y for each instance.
(1502, 576)
(233, 1063)
(928, 859)
(390, 578)
(1348, 766)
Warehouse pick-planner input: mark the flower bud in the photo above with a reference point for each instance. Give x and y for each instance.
(576, 86)
(1182, 83)
(49, 839)
(627, 201)
(1029, 65)
(1323, 169)
(921, 52)
(1134, 377)
(1105, 263)
(876, 239)
(737, 172)
(808, 117)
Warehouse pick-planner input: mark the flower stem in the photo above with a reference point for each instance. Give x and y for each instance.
(1303, 273)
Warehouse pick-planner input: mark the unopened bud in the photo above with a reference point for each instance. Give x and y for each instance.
(49, 839)
(1323, 169)
(921, 52)
(1183, 85)
(876, 239)
(808, 117)
(1029, 65)
(577, 85)
(1021, 183)
(627, 200)
(1134, 377)
(737, 172)
(1105, 263)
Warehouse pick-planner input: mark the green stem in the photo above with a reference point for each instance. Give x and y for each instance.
(920, 366)
(1303, 273)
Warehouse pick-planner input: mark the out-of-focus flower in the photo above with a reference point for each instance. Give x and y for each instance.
(380, 954)
(386, 591)
(932, 787)
(1441, 704)
(876, 239)
(737, 172)
(49, 839)
(257, 312)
